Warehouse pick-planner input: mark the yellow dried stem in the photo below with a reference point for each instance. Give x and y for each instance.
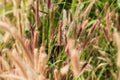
(19, 25)
(99, 66)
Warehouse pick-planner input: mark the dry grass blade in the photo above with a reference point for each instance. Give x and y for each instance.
(99, 66)
(19, 22)
(14, 33)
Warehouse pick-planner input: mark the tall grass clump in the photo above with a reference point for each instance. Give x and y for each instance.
(59, 40)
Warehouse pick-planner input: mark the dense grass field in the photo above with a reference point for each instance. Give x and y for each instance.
(59, 40)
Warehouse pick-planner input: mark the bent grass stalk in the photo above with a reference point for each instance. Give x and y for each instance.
(13, 32)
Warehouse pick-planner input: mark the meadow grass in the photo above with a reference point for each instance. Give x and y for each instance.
(59, 40)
